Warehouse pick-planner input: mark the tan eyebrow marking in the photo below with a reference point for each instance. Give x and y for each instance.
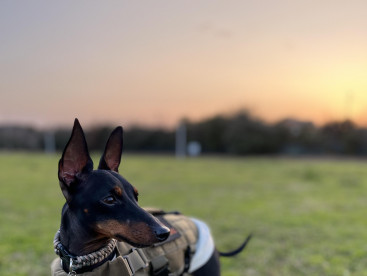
(118, 190)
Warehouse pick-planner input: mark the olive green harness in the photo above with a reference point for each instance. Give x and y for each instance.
(169, 258)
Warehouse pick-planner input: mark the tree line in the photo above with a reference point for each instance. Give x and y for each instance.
(237, 134)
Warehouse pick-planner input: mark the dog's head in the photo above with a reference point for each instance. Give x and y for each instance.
(102, 200)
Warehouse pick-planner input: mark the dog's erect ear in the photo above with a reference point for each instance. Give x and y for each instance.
(75, 161)
(111, 157)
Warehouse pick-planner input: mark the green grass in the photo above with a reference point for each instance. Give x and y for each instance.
(308, 217)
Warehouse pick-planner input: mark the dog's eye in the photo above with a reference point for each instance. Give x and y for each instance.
(109, 200)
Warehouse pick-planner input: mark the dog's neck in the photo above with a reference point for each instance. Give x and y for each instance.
(76, 237)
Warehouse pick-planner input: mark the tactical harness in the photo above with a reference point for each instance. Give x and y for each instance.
(169, 258)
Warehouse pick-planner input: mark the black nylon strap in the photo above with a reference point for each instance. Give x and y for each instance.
(65, 257)
(187, 259)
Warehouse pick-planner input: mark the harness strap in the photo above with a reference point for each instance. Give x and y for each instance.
(126, 269)
(159, 266)
(136, 260)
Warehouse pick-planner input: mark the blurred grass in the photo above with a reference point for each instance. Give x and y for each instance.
(308, 216)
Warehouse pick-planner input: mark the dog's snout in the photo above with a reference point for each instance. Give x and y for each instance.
(162, 233)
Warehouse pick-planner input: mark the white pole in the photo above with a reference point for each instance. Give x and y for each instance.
(181, 140)
(50, 144)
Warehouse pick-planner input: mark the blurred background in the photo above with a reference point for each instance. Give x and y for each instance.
(271, 94)
(294, 73)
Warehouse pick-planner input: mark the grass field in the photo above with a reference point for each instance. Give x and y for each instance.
(308, 217)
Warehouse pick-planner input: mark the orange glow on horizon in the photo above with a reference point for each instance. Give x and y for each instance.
(304, 60)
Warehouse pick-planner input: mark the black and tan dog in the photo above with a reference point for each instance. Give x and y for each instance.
(104, 231)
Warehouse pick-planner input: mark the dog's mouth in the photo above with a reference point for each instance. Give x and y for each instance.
(138, 234)
(135, 244)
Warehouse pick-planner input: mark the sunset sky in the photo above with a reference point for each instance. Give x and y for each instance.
(155, 62)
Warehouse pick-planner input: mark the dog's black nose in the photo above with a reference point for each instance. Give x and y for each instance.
(162, 233)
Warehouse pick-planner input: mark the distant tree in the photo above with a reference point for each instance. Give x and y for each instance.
(209, 133)
(239, 133)
(97, 137)
(20, 138)
(342, 138)
(144, 139)
(62, 136)
(247, 135)
(298, 137)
